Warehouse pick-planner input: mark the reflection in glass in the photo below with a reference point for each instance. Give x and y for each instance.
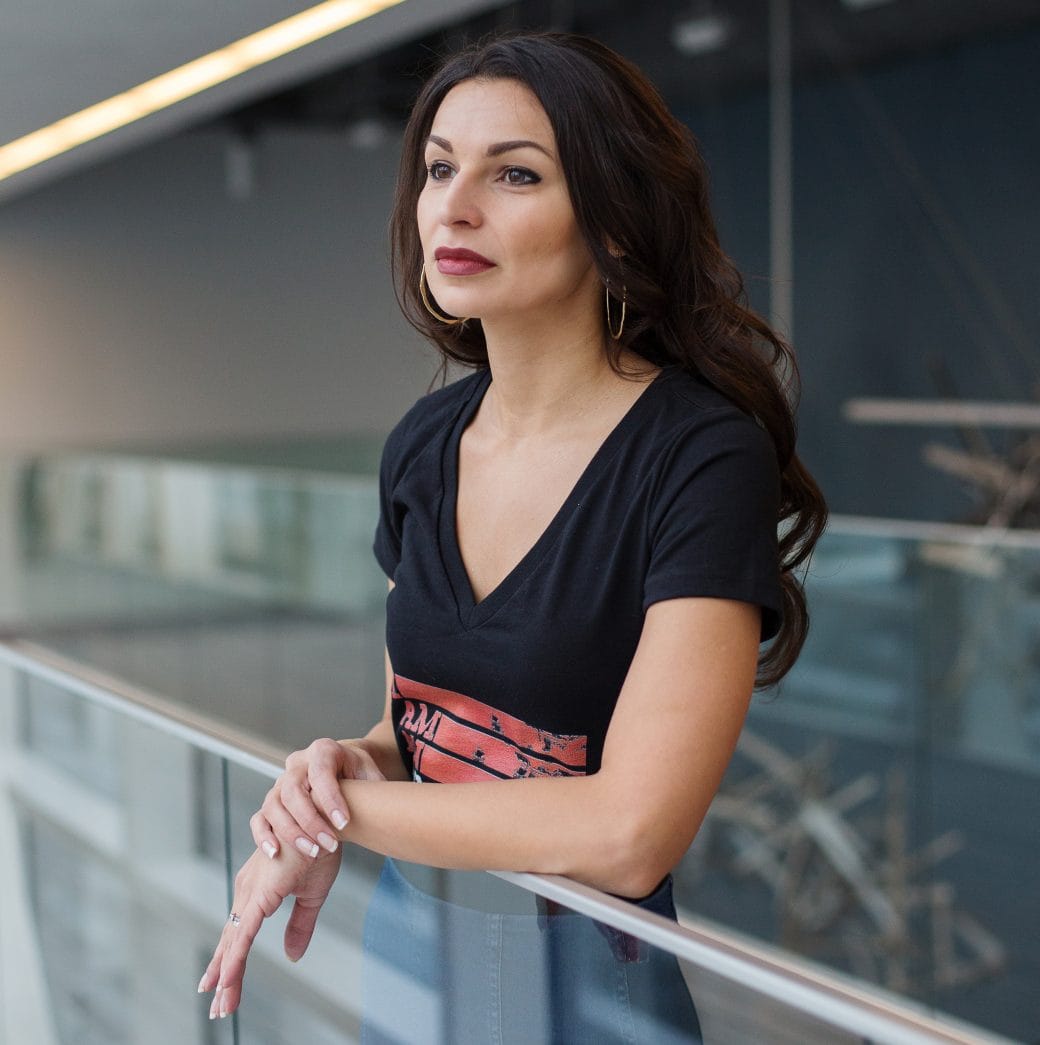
(499, 973)
(880, 806)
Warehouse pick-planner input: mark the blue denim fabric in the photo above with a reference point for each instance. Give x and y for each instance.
(437, 973)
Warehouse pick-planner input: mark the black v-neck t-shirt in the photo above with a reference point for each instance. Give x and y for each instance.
(680, 499)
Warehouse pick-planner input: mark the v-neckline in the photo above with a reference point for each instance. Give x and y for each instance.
(471, 612)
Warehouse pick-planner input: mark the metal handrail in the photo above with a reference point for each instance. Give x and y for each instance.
(174, 719)
(920, 530)
(795, 983)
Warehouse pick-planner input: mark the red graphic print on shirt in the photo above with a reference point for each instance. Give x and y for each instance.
(453, 738)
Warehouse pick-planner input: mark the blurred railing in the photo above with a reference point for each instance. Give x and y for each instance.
(215, 536)
(123, 821)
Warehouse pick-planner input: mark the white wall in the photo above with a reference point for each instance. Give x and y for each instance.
(139, 303)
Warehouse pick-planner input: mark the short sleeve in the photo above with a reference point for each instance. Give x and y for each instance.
(387, 543)
(713, 519)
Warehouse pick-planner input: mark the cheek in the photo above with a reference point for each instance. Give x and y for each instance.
(564, 251)
(554, 241)
(422, 216)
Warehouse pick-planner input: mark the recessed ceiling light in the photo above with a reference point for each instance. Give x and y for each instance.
(701, 35)
(196, 76)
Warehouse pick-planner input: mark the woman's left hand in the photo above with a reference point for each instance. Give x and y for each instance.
(260, 887)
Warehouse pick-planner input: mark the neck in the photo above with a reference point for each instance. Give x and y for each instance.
(545, 381)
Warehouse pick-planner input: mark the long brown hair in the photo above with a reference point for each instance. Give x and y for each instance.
(637, 181)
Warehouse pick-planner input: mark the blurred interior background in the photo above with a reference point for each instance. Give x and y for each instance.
(201, 354)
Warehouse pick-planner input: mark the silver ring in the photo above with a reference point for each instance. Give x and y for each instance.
(234, 919)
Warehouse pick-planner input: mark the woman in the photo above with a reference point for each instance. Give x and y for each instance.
(581, 536)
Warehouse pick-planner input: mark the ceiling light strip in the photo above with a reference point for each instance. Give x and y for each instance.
(186, 80)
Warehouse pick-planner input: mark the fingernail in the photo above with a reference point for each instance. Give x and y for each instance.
(268, 847)
(339, 821)
(202, 982)
(327, 842)
(307, 848)
(214, 1005)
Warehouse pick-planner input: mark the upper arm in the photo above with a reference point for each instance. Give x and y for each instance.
(677, 721)
(380, 739)
(388, 669)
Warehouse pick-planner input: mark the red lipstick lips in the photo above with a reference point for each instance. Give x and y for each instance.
(457, 261)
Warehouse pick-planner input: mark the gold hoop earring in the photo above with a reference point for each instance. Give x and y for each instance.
(450, 320)
(616, 335)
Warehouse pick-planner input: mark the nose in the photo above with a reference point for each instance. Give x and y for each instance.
(460, 202)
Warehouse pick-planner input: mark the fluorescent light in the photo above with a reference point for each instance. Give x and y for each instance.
(186, 80)
(700, 35)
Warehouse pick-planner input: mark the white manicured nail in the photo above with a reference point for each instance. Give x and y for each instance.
(201, 982)
(269, 849)
(327, 842)
(307, 848)
(339, 821)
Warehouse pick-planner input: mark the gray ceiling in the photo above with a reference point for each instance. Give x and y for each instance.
(829, 36)
(57, 57)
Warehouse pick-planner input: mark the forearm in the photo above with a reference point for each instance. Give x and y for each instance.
(570, 826)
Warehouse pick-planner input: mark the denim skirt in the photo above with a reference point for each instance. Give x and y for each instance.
(440, 973)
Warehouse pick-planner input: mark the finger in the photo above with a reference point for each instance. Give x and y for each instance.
(264, 837)
(298, 801)
(240, 939)
(211, 978)
(300, 928)
(331, 763)
(212, 973)
(365, 767)
(368, 770)
(287, 829)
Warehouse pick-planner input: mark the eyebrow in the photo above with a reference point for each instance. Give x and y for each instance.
(497, 148)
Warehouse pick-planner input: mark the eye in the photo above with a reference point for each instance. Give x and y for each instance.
(438, 170)
(520, 176)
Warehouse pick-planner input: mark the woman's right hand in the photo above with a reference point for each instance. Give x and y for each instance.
(305, 807)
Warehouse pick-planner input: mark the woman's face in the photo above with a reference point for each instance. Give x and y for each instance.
(498, 232)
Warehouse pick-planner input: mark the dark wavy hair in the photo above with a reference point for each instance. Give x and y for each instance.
(637, 182)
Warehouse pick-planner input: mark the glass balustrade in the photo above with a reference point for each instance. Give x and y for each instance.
(121, 830)
(882, 807)
(880, 811)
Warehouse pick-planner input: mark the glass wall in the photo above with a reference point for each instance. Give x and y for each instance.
(872, 164)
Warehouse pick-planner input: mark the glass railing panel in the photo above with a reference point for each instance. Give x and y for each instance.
(880, 807)
(115, 892)
(112, 885)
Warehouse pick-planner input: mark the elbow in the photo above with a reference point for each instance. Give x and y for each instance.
(638, 877)
(642, 852)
